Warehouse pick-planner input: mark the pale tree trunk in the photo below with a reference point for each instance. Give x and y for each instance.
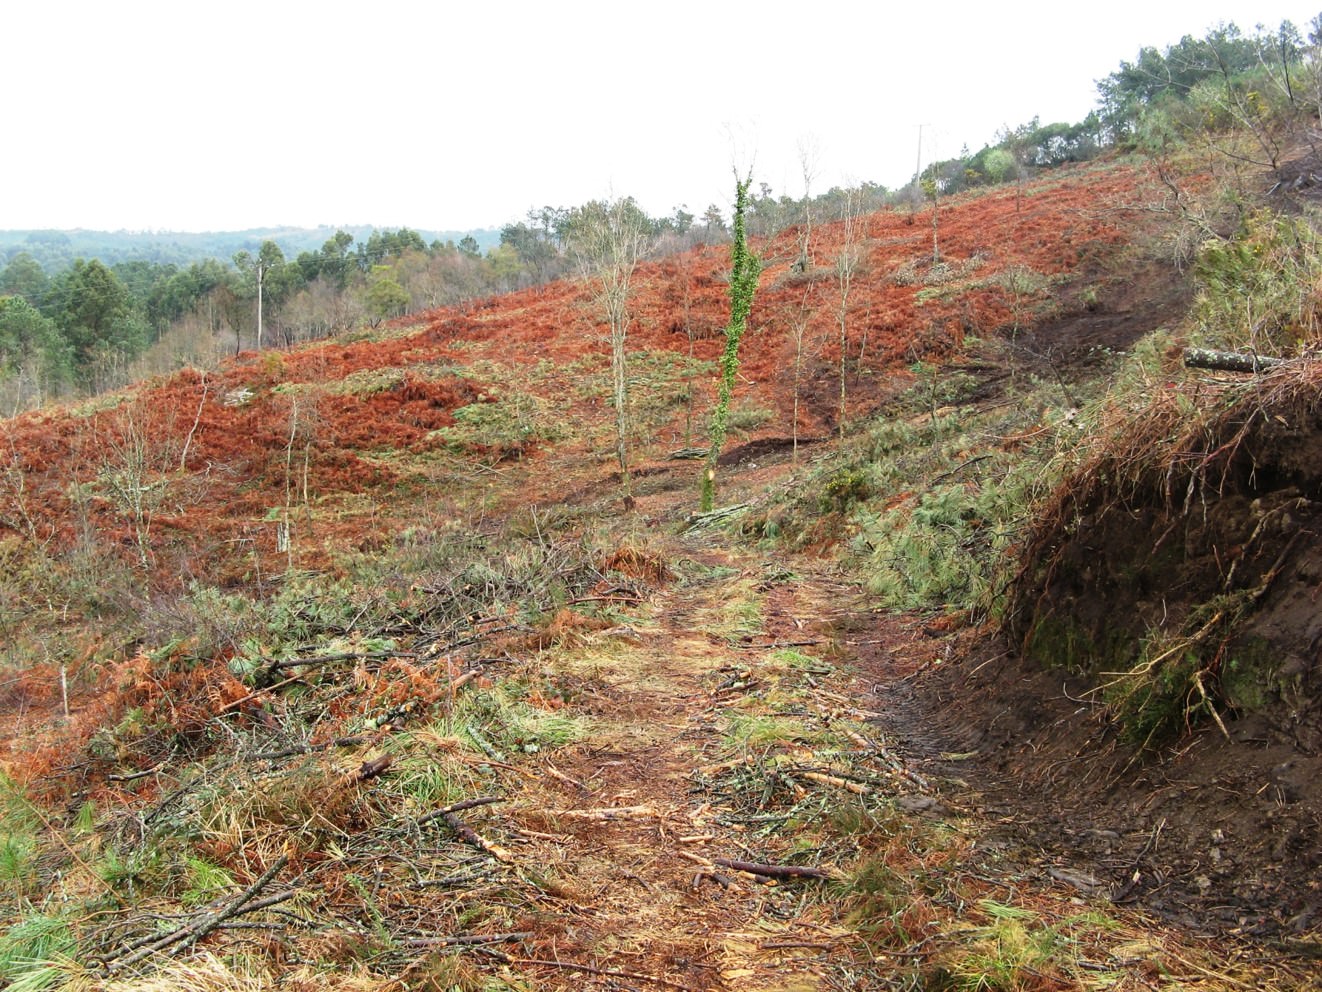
(620, 374)
(799, 330)
(808, 165)
(799, 323)
(846, 262)
(607, 240)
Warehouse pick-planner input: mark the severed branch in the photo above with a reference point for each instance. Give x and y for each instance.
(823, 778)
(471, 836)
(465, 832)
(588, 969)
(775, 871)
(203, 925)
(235, 703)
(372, 768)
(134, 776)
(468, 940)
(1229, 361)
(608, 813)
(459, 807)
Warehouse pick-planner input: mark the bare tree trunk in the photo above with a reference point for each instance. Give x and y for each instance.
(607, 241)
(799, 323)
(845, 265)
(619, 370)
(799, 327)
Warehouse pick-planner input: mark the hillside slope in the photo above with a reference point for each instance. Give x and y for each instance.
(347, 667)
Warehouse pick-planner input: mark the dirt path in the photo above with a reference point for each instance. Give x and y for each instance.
(746, 712)
(608, 775)
(685, 707)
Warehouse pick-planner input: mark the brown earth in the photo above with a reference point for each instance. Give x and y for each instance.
(1216, 822)
(702, 732)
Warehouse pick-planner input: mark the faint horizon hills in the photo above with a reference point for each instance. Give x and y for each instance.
(55, 249)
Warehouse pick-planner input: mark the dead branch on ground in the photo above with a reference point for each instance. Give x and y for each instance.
(775, 871)
(200, 926)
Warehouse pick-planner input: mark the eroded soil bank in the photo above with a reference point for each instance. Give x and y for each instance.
(1149, 726)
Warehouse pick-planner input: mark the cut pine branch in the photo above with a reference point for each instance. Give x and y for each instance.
(459, 807)
(609, 813)
(821, 778)
(469, 940)
(775, 871)
(202, 925)
(466, 833)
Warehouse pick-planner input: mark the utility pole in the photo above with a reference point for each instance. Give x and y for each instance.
(918, 166)
(918, 171)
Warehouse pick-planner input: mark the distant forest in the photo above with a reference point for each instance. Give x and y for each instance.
(57, 250)
(85, 311)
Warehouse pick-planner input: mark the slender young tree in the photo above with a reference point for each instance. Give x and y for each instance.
(808, 165)
(607, 239)
(846, 263)
(932, 189)
(799, 319)
(745, 267)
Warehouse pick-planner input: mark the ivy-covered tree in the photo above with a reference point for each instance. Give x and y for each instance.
(745, 267)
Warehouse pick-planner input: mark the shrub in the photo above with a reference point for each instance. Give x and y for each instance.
(844, 489)
(1259, 290)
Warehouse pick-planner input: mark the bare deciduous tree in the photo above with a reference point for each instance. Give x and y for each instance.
(846, 264)
(808, 165)
(800, 319)
(798, 322)
(607, 239)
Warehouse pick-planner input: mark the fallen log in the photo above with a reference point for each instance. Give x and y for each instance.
(1229, 361)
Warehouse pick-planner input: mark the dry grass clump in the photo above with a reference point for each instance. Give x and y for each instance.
(638, 563)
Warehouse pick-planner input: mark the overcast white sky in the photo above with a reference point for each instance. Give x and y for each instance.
(449, 116)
